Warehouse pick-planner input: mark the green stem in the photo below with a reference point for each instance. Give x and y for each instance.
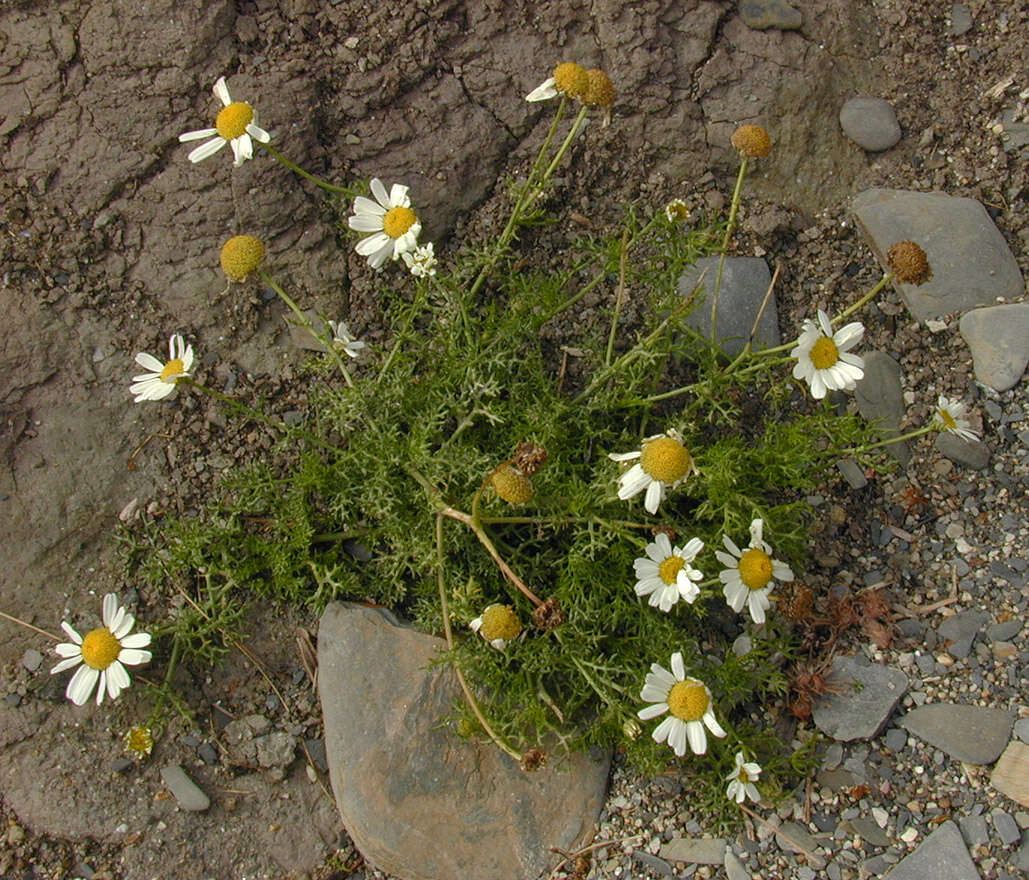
(729, 229)
(918, 432)
(296, 169)
(847, 312)
(306, 323)
(619, 298)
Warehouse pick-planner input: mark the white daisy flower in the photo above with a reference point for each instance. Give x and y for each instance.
(101, 653)
(676, 211)
(741, 781)
(666, 574)
(823, 358)
(421, 261)
(748, 579)
(160, 382)
(663, 464)
(235, 124)
(949, 417)
(390, 218)
(498, 625)
(343, 341)
(688, 702)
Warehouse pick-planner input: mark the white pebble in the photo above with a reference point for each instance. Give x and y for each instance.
(909, 835)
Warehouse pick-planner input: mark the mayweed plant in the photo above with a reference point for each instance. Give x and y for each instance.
(563, 529)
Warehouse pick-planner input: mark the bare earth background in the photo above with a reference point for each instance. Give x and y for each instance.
(110, 241)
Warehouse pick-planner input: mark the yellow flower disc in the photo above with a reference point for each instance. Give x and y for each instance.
(241, 255)
(100, 648)
(909, 263)
(688, 700)
(755, 569)
(232, 121)
(752, 140)
(500, 622)
(173, 368)
(512, 485)
(397, 221)
(665, 459)
(824, 353)
(571, 79)
(669, 570)
(600, 92)
(947, 419)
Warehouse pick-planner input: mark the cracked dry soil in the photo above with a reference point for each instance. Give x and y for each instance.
(110, 244)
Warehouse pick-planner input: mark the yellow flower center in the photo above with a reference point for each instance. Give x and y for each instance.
(824, 353)
(948, 420)
(500, 622)
(397, 221)
(139, 741)
(743, 776)
(677, 210)
(512, 485)
(688, 700)
(232, 121)
(755, 568)
(100, 648)
(172, 369)
(240, 256)
(665, 459)
(571, 79)
(670, 568)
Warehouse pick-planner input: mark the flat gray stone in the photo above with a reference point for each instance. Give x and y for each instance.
(972, 454)
(653, 863)
(871, 123)
(880, 399)
(957, 633)
(275, 749)
(764, 14)
(960, 19)
(971, 262)
(973, 734)
(974, 830)
(695, 850)
(31, 659)
(734, 869)
(998, 338)
(941, 856)
(791, 837)
(187, 793)
(867, 695)
(896, 739)
(745, 281)
(417, 800)
(869, 831)
(1004, 632)
(1021, 729)
(852, 473)
(1006, 827)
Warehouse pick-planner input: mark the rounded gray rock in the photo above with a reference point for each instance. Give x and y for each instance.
(998, 337)
(870, 123)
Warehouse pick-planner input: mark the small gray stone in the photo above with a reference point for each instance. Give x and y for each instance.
(862, 701)
(896, 739)
(734, 869)
(791, 837)
(745, 282)
(998, 337)
(941, 856)
(653, 863)
(880, 398)
(761, 15)
(275, 749)
(973, 830)
(971, 453)
(1004, 632)
(1022, 729)
(874, 866)
(869, 831)
(187, 793)
(695, 850)
(208, 753)
(960, 19)
(957, 633)
(1006, 827)
(1021, 858)
(871, 123)
(833, 756)
(973, 734)
(852, 473)
(31, 659)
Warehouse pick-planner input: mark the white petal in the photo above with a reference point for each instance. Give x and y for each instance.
(373, 244)
(698, 739)
(101, 688)
(730, 545)
(825, 323)
(624, 456)
(712, 723)
(677, 738)
(678, 667)
(205, 150)
(847, 337)
(149, 362)
(221, 91)
(379, 191)
(818, 386)
(68, 649)
(543, 92)
(71, 632)
(398, 196)
(664, 545)
(781, 571)
(632, 482)
(67, 664)
(655, 495)
(692, 548)
(662, 731)
(758, 602)
(365, 222)
(648, 712)
(111, 610)
(648, 586)
(81, 684)
(661, 677)
(255, 131)
(756, 529)
(117, 679)
(736, 595)
(133, 656)
(242, 149)
(197, 135)
(136, 640)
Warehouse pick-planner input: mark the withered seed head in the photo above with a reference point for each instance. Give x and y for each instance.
(752, 140)
(529, 458)
(533, 759)
(799, 604)
(909, 263)
(600, 92)
(549, 615)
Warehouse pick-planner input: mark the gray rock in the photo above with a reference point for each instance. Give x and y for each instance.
(187, 793)
(791, 837)
(734, 869)
(974, 830)
(1004, 632)
(973, 454)
(870, 122)
(852, 473)
(941, 856)
(957, 633)
(764, 14)
(833, 756)
(653, 863)
(896, 739)
(1015, 135)
(1006, 827)
(998, 338)
(695, 850)
(1021, 857)
(417, 800)
(973, 734)
(275, 749)
(868, 694)
(31, 659)
(869, 831)
(880, 399)
(745, 281)
(1021, 729)
(971, 262)
(960, 19)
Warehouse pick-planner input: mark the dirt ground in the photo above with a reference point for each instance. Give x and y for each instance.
(110, 241)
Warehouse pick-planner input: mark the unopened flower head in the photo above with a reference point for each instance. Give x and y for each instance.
(751, 574)
(568, 79)
(241, 256)
(161, 380)
(823, 358)
(752, 141)
(950, 418)
(742, 779)
(139, 741)
(390, 219)
(421, 261)
(909, 263)
(665, 573)
(512, 485)
(343, 341)
(676, 211)
(498, 625)
(235, 124)
(102, 654)
(688, 704)
(663, 462)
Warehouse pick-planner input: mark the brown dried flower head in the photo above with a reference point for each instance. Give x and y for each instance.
(799, 604)
(571, 79)
(600, 92)
(533, 759)
(752, 141)
(549, 615)
(512, 485)
(529, 458)
(909, 263)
